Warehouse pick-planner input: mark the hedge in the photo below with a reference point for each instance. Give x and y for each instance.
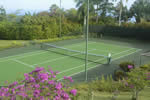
(137, 31)
(38, 28)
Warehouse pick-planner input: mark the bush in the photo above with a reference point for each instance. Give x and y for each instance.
(125, 66)
(119, 75)
(137, 80)
(107, 85)
(26, 43)
(38, 27)
(39, 85)
(137, 31)
(145, 67)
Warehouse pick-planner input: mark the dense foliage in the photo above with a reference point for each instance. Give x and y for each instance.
(134, 82)
(46, 24)
(137, 31)
(39, 85)
(37, 27)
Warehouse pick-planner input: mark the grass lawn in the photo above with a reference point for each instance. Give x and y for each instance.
(11, 43)
(15, 43)
(144, 95)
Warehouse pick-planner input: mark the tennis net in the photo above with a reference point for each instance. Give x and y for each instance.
(95, 58)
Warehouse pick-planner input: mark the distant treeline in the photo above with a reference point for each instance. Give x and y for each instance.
(46, 24)
(37, 27)
(137, 31)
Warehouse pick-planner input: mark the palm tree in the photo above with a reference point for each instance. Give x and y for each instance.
(120, 10)
(103, 6)
(140, 10)
(2, 13)
(82, 10)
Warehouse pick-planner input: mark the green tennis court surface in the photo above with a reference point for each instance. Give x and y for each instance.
(14, 67)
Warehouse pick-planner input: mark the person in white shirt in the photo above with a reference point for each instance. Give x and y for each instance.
(109, 58)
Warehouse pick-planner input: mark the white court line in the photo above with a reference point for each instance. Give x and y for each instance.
(37, 53)
(32, 66)
(91, 42)
(106, 51)
(123, 51)
(100, 64)
(127, 54)
(60, 58)
(24, 56)
(77, 44)
(21, 54)
(114, 45)
(79, 66)
(23, 63)
(96, 60)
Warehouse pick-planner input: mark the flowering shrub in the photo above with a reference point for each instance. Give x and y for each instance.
(148, 76)
(137, 80)
(126, 66)
(39, 85)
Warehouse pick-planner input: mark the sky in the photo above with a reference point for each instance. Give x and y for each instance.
(38, 5)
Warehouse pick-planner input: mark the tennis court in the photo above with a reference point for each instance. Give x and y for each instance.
(67, 63)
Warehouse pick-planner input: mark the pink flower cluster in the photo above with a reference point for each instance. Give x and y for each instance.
(130, 66)
(148, 76)
(39, 85)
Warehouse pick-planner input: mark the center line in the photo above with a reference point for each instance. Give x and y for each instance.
(23, 63)
(60, 58)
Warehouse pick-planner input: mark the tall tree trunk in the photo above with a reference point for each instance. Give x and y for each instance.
(120, 14)
(138, 19)
(84, 25)
(97, 15)
(137, 94)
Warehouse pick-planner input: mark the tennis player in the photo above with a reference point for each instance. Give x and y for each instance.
(109, 58)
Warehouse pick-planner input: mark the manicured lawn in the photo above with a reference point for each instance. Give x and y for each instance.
(144, 95)
(15, 43)
(11, 43)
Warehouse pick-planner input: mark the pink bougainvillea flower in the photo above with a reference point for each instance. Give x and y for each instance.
(65, 96)
(68, 78)
(43, 76)
(132, 86)
(130, 66)
(38, 69)
(39, 85)
(51, 82)
(36, 93)
(26, 76)
(58, 86)
(74, 92)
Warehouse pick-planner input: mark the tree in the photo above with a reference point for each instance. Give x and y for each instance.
(140, 10)
(136, 81)
(2, 13)
(125, 14)
(43, 13)
(82, 8)
(14, 17)
(54, 10)
(103, 7)
(120, 7)
(71, 14)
